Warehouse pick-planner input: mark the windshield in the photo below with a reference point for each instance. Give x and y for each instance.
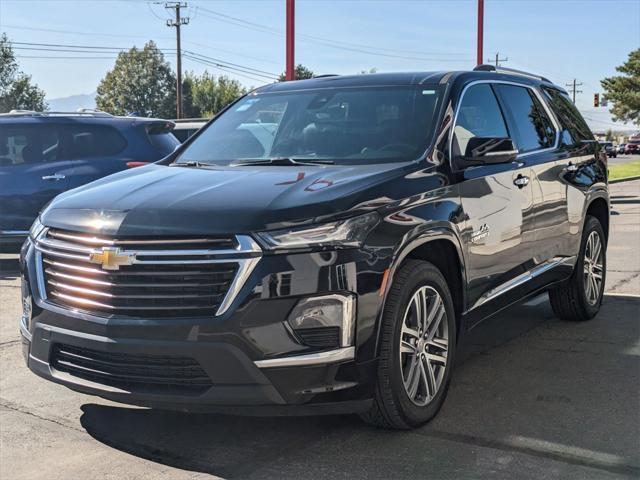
(360, 125)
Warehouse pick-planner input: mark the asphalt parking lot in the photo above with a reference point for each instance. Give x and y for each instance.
(622, 159)
(532, 397)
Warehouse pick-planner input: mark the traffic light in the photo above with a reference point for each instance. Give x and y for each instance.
(596, 99)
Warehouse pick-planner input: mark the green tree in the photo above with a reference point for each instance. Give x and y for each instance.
(302, 73)
(208, 94)
(624, 90)
(16, 89)
(141, 82)
(609, 135)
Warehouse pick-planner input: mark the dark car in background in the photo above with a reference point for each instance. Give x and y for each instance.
(621, 148)
(45, 154)
(610, 149)
(185, 127)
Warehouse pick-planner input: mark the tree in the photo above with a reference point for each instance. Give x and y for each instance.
(208, 94)
(16, 89)
(302, 73)
(624, 90)
(141, 82)
(609, 135)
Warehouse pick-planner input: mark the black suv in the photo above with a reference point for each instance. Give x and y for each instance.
(322, 246)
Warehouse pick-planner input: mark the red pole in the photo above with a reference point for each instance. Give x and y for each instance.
(291, 22)
(480, 31)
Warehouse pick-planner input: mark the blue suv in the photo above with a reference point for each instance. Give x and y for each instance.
(45, 154)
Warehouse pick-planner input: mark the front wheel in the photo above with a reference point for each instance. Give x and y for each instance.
(581, 297)
(417, 348)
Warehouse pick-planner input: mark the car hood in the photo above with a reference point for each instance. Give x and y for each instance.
(161, 200)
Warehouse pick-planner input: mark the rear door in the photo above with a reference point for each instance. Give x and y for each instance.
(497, 202)
(96, 151)
(33, 170)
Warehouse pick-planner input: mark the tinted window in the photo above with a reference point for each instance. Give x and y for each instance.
(26, 144)
(533, 129)
(92, 141)
(570, 118)
(357, 125)
(163, 142)
(479, 116)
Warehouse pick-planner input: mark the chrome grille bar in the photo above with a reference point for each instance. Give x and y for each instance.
(171, 280)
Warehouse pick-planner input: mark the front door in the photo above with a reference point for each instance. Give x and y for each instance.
(32, 172)
(497, 202)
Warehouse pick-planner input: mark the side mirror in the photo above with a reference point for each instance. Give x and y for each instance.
(489, 150)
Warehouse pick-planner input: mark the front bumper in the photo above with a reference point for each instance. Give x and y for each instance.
(254, 364)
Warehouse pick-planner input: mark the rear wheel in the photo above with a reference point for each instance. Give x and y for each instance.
(581, 297)
(417, 349)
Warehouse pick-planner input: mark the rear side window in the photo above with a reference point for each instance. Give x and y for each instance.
(479, 115)
(93, 141)
(29, 144)
(162, 139)
(576, 129)
(533, 129)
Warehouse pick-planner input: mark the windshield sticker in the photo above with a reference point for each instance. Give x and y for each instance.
(247, 104)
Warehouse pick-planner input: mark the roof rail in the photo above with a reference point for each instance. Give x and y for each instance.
(511, 71)
(79, 112)
(325, 75)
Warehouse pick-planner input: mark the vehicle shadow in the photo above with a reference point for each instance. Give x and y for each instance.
(9, 267)
(525, 395)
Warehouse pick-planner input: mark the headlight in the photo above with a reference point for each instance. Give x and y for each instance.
(36, 229)
(344, 233)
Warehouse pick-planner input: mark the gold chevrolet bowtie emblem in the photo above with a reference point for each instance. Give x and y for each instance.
(111, 258)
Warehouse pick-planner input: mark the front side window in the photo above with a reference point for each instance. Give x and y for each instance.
(479, 115)
(356, 125)
(533, 129)
(29, 144)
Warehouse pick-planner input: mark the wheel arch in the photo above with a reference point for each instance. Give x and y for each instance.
(440, 246)
(599, 207)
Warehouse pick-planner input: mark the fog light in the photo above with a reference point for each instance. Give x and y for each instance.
(26, 305)
(326, 321)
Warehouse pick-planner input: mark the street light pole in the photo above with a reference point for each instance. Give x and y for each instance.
(479, 56)
(290, 71)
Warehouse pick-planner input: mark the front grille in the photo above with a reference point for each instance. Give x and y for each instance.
(168, 277)
(132, 372)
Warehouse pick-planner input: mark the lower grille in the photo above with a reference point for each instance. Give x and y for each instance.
(148, 278)
(180, 375)
(328, 337)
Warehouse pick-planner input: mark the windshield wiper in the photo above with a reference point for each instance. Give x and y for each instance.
(280, 161)
(190, 163)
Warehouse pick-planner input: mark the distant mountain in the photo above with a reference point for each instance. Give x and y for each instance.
(72, 103)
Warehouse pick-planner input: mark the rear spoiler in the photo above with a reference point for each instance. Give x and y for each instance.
(154, 127)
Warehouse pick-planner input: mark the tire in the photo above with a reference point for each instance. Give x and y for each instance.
(575, 301)
(393, 407)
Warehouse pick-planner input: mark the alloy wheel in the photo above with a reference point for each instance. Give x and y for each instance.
(424, 344)
(593, 268)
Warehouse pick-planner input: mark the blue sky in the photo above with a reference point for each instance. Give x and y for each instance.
(561, 39)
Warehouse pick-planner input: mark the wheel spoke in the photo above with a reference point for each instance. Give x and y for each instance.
(440, 343)
(441, 359)
(412, 332)
(435, 322)
(432, 379)
(406, 347)
(414, 379)
(424, 380)
(597, 247)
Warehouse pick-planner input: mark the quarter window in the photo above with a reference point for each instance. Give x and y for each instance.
(479, 115)
(576, 129)
(533, 129)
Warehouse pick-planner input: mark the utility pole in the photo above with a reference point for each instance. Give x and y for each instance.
(480, 44)
(497, 60)
(573, 88)
(290, 70)
(178, 22)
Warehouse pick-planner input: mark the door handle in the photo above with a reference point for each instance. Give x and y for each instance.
(55, 176)
(521, 181)
(572, 167)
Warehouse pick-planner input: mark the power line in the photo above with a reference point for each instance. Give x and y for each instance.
(223, 68)
(497, 59)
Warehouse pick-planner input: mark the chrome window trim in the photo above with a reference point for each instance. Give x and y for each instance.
(318, 358)
(14, 233)
(249, 251)
(516, 84)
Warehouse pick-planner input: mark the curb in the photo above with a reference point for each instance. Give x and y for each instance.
(625, 179)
